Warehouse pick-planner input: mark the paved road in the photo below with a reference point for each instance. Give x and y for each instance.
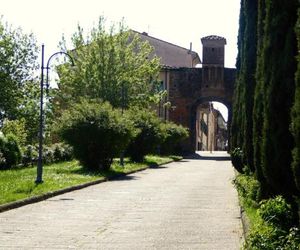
(186, 205)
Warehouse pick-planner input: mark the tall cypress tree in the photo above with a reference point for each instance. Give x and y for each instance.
(237, 118)
(279, 50)
(296, 114)
(245, 82)
(247, 77)
(259, 102)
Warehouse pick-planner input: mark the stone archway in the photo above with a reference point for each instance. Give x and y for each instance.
(188, 88)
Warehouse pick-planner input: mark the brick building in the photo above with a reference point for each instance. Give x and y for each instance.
(189, 87)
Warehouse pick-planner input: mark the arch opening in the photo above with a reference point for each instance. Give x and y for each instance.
(209, 124)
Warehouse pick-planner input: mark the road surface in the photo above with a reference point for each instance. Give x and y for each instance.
(190, 204)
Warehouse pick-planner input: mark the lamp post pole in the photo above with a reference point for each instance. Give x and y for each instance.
(123, 106)
(39, 176)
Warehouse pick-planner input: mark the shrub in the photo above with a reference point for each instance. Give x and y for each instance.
(274, 230)
(174, 134)
(62, 152)
(30, 155)
(2, 159)
(237, 159)
(10, 150)
(293, 239)
(51, 153)
(276, 212)
(265, 237)
(149, 137)
(97, 133)
(248, 188)
(48, 155)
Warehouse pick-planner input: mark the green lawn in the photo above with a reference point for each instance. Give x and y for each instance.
(19, 184)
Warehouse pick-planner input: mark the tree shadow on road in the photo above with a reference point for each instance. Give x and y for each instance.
(196, 156)
(123, 178)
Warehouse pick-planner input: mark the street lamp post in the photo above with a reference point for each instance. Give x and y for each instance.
(39, 176)
(123, 106)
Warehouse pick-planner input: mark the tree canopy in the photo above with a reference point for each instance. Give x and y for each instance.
(18, 54)
(110, 64)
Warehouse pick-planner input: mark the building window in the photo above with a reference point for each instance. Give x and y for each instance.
(161, 86)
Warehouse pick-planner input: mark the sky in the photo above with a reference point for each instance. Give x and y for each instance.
(177, 22)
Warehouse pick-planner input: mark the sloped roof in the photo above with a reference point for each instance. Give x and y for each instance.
(171, 55)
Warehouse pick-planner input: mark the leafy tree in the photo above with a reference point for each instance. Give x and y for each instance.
(18, 54)
(17, 128)
(29, 110)
(114, 65)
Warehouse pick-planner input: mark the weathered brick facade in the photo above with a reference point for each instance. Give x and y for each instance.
(188, 89)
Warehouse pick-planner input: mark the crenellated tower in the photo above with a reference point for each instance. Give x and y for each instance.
(213, 61)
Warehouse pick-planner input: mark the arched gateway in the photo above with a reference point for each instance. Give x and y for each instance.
(188, 86)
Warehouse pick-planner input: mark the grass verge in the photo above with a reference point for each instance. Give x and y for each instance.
(18, 184)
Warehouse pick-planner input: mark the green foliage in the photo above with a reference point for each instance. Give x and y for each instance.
(264, 94)
(292, 240)
(279, 85)
(57, 152)
(17, 128)
(242, 125)
(62, 152)
(295, 125)
(17, 65)
(2, 159)
(271, 221)
(276, 212)
(149, 137)
(259, 102)
(275, 230)
(30, 155)
(266, 237)
(2, 149)
(237, 159)
(10, 151)
(114, 66)
(174, 134)
(248, 189)
(30, 110)
(97, 133)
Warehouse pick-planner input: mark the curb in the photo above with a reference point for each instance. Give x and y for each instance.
(42, 197)
(245, 223)
(243, 216)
